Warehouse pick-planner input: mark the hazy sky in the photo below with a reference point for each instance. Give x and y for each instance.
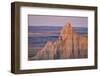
(43, 20)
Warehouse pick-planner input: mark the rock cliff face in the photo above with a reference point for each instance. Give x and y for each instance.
(68, 45)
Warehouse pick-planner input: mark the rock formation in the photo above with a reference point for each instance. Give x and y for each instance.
(68, 45)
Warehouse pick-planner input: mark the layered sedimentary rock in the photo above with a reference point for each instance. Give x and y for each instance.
(68, 45)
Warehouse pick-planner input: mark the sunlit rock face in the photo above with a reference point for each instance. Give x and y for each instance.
(68, 45)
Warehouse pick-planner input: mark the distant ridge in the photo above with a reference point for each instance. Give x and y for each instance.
(68, 45)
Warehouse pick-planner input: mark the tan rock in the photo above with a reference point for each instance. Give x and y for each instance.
(68, 45)
(75, 45)
(83, 46)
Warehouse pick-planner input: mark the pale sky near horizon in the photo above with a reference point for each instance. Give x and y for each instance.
(44, 20)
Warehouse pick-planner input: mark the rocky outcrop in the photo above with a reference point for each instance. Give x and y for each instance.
(47, 52)
(83, 46)
(68, 45)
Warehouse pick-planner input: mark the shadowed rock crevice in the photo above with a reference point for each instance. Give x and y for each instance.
(69, 45)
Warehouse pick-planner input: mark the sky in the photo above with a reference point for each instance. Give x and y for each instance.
(47, 20)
